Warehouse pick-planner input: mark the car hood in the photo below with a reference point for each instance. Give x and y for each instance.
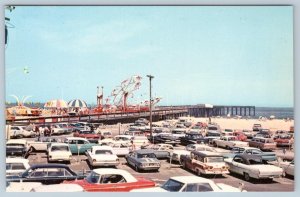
(150, 189)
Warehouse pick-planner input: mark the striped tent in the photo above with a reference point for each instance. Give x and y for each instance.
(77, 103)
(57, 103)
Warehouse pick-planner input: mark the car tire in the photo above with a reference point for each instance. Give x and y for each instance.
(136, 168)
(183, 165)
(247, 177)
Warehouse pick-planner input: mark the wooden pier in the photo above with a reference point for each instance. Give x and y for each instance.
(161, 113)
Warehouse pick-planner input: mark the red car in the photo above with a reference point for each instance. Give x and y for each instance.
(90, 135)
(283, 140)
(240, 136)
(111, 180)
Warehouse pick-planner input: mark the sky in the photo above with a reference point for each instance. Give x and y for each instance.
(221, 55)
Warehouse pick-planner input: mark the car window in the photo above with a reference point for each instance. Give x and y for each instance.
(198, 187)
(38, 173)
(172, 185)
(59, 148)
(93, 178)
(256, 152)
(103, 152)
(17, 166)
(238, 160)
(112, 178)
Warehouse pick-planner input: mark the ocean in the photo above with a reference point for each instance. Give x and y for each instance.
(278, 112)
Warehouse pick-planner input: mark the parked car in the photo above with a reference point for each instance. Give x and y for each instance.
(267, 156)
(263, 143)
(191, 184)
(21, 186)
(256, 127)
(248, 133)
(58, 188)
(211, 135)
(16, 166)
(139, 141)
(121, 148)
(16, 147)
(228, 142)
(283, 140)
(111, 180)
(47, 174)
(21, 132)
(240, 136)
(41, 143)
(200, 147)
(102, 156)
(253, 166)
(58, 129)
(88, 134)
(176, 154)
(214, 128)
(194, 138)
(165, 138)
(59, 152)
(204, 162)
(288, 168)
(161, 151)
(178, 132)
(79, 145)
(227, 132)
(143, 159)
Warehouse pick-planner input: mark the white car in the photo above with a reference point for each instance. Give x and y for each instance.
(139, 141)
(199, 147)
(229, 142)
(58, 188)
(252, 166)
(58, 130)
(175, 155)
(21, 132)
(102, 156)
(16, 166)
(121, 148)
(190, 184)
(288, 168)
(59, 152)
(21, 186)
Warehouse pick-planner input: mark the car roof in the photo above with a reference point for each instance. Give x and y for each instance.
(206, 154)
(59, 188)
(18, 141)
(58, 144)
(191, 179)
(16, 159)
(247, 156)
(124, 173)
(49, 166)
(144, 151)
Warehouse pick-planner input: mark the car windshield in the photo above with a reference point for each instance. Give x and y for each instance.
(103, 152)
(214, 159)
(14, 144)
(148, 155)
(212, 128)
(93, 177)
(255, 161)
(172, 185)
(213, 134)
(60, 148)
(198, 187)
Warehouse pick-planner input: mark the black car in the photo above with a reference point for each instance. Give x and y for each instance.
(165, 138)
(193, 138)
(16, 148)
(47, 174)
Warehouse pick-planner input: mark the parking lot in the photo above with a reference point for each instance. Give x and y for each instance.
(79, 163)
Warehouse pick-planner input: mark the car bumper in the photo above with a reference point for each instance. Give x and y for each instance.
(106, 163)
(219, 171)
(149, 167)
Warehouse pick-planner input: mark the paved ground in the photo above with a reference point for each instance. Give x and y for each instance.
(79, 163)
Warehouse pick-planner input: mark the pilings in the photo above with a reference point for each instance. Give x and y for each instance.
(201, 111)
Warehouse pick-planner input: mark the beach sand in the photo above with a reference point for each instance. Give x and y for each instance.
(231, 123)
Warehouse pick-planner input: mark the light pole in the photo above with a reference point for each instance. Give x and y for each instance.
(150, 104)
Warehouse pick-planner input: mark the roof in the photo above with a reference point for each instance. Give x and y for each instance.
(206, 154)
(16, 141)
(49, 166)
(144, 151)
(248, 157)
(191, 179)
(59, 188)
(16, 159)
(124, 173)
(58, 144)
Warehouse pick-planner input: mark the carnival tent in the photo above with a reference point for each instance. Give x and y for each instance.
(77, 103)
(57, 103)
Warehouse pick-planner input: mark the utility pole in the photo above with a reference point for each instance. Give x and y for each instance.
(150, 104)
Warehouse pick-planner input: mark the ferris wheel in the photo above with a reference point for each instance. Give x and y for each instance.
(122, 92)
